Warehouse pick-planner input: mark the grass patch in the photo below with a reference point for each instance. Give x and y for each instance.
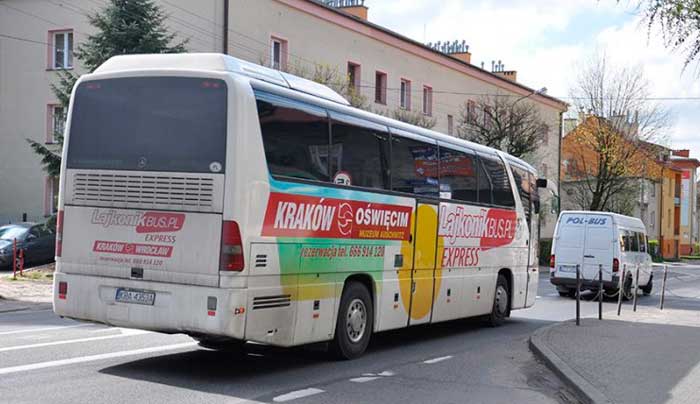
(690, 257)
(33, 276)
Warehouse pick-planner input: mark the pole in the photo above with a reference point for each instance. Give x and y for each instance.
(636, 288)
(578, 294)
(619, 289)
(663, 288)
(14, 258)
(600, 292)
(21, 262)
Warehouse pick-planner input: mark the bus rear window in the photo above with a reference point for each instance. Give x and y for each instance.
(149, 124)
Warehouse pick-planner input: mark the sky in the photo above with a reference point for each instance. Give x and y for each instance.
(546, 42)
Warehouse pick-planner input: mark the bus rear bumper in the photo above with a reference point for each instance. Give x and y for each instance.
(176, 308)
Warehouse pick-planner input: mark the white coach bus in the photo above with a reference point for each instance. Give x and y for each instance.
(205, 195)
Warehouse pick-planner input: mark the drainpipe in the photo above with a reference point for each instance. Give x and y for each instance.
(561, 138)
(225, 27)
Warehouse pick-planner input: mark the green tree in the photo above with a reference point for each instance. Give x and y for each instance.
(122, 27)
(679, 21)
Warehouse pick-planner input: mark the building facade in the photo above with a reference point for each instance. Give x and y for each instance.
(389, 71)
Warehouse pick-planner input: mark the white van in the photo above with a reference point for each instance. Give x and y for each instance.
(591, 239)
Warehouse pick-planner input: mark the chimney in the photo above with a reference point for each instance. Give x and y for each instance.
(354, 7)
(499, 69)
(456, 49)
(682, 153)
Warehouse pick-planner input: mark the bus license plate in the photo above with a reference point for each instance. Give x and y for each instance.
(567, 268)
(144, 297)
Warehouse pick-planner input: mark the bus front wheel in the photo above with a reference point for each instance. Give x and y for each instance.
(354, 325)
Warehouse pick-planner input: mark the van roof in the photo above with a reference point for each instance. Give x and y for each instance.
(622, 220)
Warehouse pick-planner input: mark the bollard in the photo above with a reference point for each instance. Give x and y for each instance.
(21, 262)
(619, 289)
(636, 289)
(578, 294)
(663, 288)
(14, 258)
(600, 291)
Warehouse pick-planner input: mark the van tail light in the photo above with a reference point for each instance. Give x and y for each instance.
(62, 290)
(616, 265)
(231, 247)
(552, 261)
(59, 233)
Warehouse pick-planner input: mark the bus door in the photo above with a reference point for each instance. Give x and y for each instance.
(423, 274)
(531, 206)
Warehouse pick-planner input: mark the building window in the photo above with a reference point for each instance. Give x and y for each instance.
(428, 100)
(450, 125)
(471, 111)
(405, 94)
(380, 88)
(56, 123)
(278, 53)
(51, 196)
(354, 76)
(61, 49)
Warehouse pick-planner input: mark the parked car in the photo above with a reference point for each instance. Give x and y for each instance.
(37, 239)
(591, 239)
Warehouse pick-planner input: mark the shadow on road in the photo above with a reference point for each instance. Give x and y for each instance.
(264, 369)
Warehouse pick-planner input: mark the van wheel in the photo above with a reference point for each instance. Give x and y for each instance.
(568, 292)
(646, 289)
(627, 290)
(355, 322)
(501, 303)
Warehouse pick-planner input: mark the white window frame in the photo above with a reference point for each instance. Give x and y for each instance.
(405, 94)
(283, 44)
(52, 122)
(68, 38)
(427, 100)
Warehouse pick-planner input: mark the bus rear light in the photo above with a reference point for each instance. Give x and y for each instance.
(616, 265)
(552, 261)
(62, 290)
(59, 233)
(231, 247)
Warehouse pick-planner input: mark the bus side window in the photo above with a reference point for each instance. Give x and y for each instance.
(457, 175)
(359, 155)
(414, 166)
(502, 192)
(522, 182)
(483, 183)
(295, 137)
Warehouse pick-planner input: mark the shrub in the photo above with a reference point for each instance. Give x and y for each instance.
(545, 250)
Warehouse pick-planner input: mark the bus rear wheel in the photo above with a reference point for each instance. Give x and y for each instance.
(354, 325)
(501, 303)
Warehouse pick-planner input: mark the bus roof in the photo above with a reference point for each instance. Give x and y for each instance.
(303, 88)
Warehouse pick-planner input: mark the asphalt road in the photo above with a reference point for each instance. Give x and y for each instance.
(47, 359)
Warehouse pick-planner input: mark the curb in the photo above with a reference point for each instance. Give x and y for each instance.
(30, 307)
(584, 389)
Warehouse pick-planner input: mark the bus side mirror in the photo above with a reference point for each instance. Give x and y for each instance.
(541, 183)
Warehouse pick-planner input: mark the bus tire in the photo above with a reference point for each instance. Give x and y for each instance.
(501, 303)
(354, 325)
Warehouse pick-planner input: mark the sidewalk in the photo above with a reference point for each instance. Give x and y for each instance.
(24, 294)
(652, 356)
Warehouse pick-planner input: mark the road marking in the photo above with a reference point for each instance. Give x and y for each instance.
(436, 360)
(93, 358)
(364, 379)
(62, 327)
(297, 394)
(124, 333)
(387, 373)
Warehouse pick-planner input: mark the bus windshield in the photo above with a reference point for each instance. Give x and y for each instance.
(149, 124)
